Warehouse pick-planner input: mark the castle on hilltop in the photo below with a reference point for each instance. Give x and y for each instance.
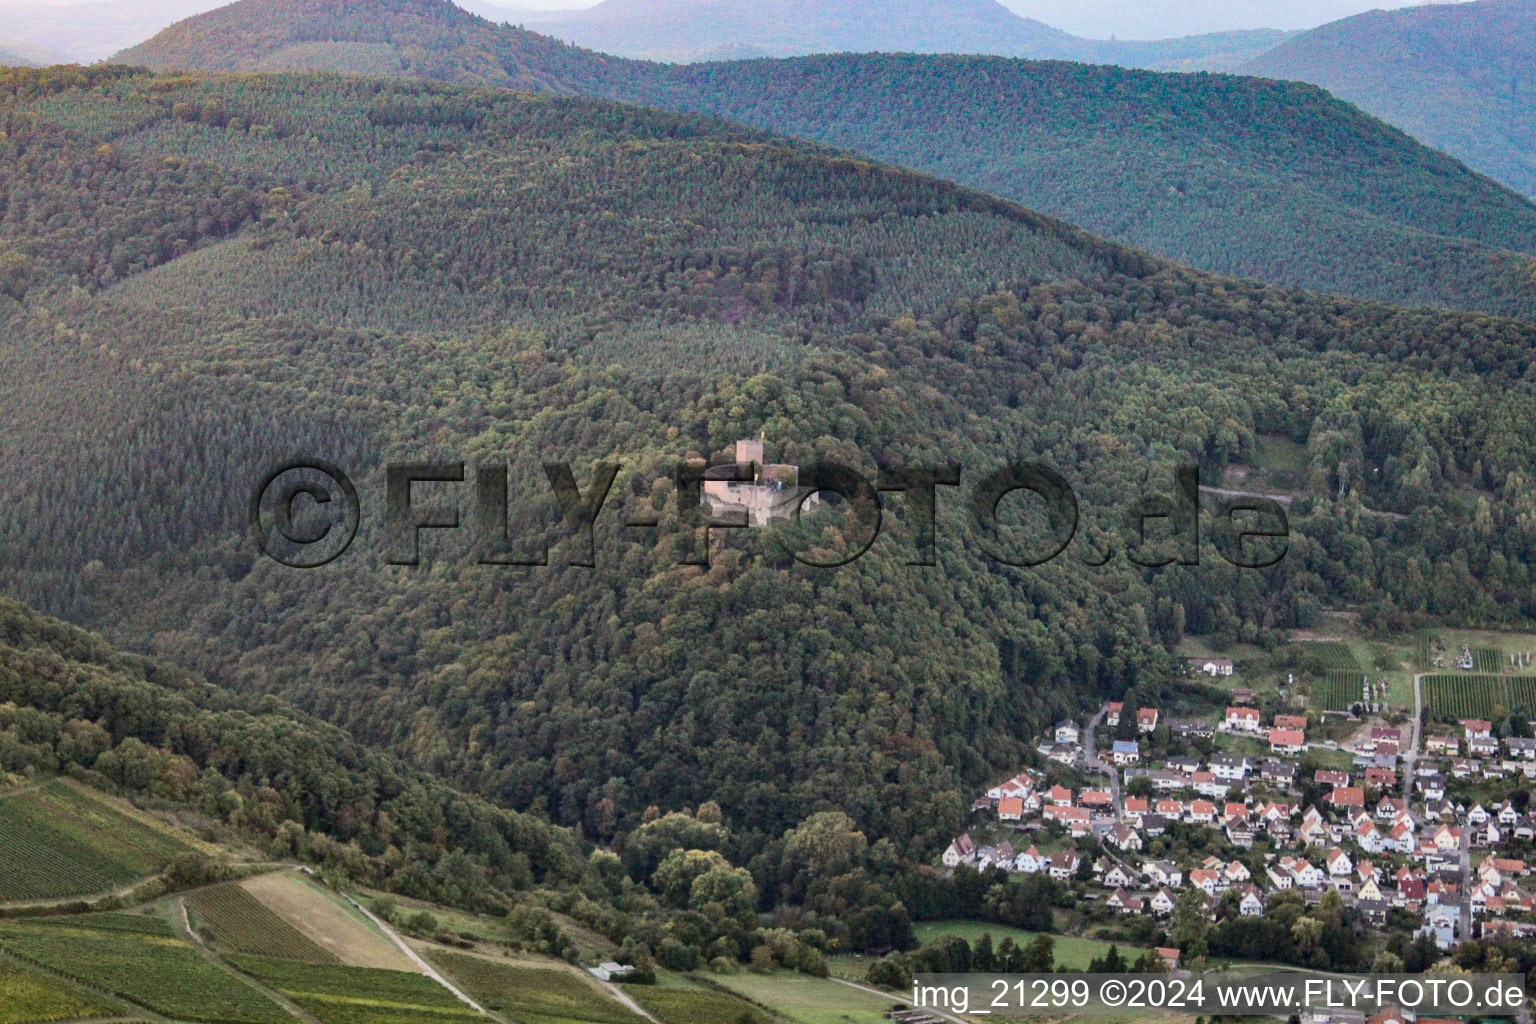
(772, 491)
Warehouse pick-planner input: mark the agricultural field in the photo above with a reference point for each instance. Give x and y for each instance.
(29, 997)
(358, 995)
(679, 1004)
(241, 922)
(1337, 689)
(58, 841)
(806, 1000)
(1489, 660)
(161, 973)
(1072, 953)
(336, 927)
(1332, 654)
(1466, 695)
(542, 994)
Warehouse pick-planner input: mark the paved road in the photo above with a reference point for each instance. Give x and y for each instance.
(893, 998)
(1090, 749)
(1466, 883)
(1411, 758)
(426, 968)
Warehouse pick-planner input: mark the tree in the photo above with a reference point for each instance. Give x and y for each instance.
(1039, 956)
(1190, 925)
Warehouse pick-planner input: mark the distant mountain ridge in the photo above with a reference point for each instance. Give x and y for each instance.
(1458, 76)
(1260, 179)
(693, 30)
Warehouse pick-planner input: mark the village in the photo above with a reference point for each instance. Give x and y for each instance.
(1243, 794)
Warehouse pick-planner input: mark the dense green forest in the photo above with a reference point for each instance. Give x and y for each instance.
(1458, 76)
(205, 274)
(1271, 180)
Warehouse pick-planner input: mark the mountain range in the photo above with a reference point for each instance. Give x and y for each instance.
(1461, 77)
(693, 30)
(387, 270)
(1249, 177)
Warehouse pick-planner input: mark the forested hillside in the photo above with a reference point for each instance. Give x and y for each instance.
(205, 274)
(1461, 77)
(1258, 179)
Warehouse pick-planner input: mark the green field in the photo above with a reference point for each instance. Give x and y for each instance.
(1489, 659)
(1476, 696)
(533, 995)
(56, 841)
(160, 973)
(1071, 952)
(240, 922)
(676, 1004)
(1334, 655)
(28, 997)
(807, 1000)
(1337, 690)
(358, 995)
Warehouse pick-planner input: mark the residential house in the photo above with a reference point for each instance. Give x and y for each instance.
(1328, 777)
(1064, 865)
(1241, 720)
(1230, 767)
(1476, 728)
(1126, 752)
(1211, 666)
(1031, 861)
(1112, 713)
(1345, 797)
(1121, 877)
(1338, 863)
(1124, 837)
(1010, 808)
(1297, 722)
(1444, 746)
(1162, 902)
(1164, 873)
(961, 851)
(1287, 741)
(1205, 880)
(1250, 902)
(1146, 719)
(1123, 903)
(1067, 731)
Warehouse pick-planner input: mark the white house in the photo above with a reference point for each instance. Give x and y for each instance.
(961, 851)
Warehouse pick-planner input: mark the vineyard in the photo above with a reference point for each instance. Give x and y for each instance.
(691, 1006)
(56, 841)
(162, 974)
(1334, 656)
(534, 995)
(1488, 659)
(359, 995)
(1337, 690)
(27, 997)
(1455, 697)
(240, 922)
(1423, 655)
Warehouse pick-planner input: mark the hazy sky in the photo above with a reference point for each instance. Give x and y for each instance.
(94, 29)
